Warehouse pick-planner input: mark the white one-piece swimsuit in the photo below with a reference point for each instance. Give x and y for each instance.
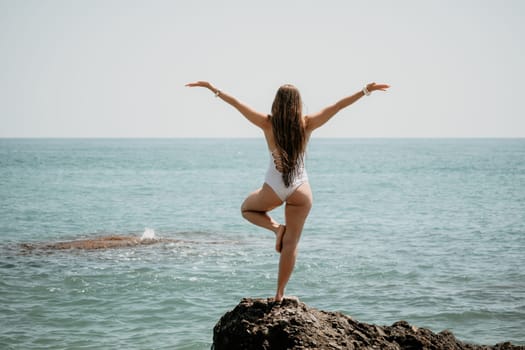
(274, 179)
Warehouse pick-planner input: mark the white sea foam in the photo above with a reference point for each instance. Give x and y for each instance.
(149, 233)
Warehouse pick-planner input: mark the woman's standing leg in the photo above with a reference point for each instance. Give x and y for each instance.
(297, 208)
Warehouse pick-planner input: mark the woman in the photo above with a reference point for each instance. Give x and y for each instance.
(287, 132)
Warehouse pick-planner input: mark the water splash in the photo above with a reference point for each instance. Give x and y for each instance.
(149, 233)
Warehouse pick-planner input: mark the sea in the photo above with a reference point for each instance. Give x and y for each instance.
(431, 231)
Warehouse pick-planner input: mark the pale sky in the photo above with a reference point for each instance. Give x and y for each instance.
(106, 68)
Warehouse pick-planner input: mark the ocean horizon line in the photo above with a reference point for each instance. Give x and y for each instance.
(259, 137)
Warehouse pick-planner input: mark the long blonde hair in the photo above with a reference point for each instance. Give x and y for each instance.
(288, 131)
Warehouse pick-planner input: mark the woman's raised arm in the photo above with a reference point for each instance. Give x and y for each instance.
(318, 119)
(259, 119)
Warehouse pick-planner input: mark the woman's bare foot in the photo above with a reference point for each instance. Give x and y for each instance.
(280, 297)
(279, 238)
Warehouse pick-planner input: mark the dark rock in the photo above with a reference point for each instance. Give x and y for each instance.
(263, 324)
(103, 242)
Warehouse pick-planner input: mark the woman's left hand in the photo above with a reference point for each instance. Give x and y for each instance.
(200, 83)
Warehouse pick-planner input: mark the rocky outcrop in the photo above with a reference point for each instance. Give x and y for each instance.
(97, 243)
(263, 324)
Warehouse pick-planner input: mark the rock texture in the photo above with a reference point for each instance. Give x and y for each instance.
(263, 324)
(103, 242)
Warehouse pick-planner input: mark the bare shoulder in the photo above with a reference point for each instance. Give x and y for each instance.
(266, 123)
(307, 123)
(305, 119)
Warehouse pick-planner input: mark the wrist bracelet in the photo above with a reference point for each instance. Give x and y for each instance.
(365, 91)
(217, 93)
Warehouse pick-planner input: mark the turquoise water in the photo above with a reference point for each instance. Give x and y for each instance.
(429, 231)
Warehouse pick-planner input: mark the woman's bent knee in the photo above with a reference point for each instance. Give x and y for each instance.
(244, 211)
(245, 207)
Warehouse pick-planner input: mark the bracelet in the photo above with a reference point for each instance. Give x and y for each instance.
(217, 93)
(365, 91)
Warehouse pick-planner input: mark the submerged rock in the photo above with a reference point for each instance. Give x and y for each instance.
(263, 324)
(103, 242)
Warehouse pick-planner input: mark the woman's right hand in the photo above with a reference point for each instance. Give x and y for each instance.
(373, 87)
